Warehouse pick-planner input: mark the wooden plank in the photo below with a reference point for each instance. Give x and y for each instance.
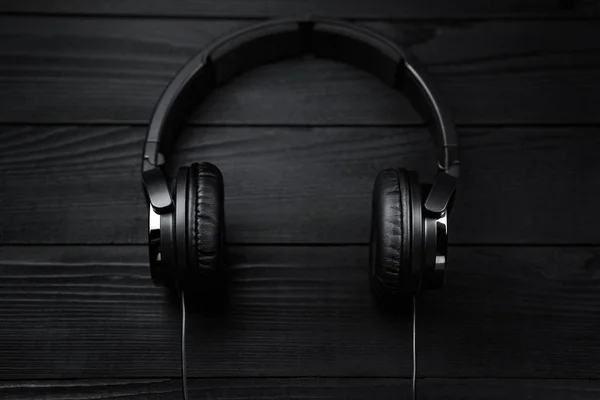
(329, 8)
(98, 70)
(496, 389)
(298, 185)
(329, 388)
(91, 312)
(293, 388)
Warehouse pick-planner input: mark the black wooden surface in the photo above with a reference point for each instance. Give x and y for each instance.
(92, 311)
(303, 388)
(112, 70)
(299, 143)
(390, 9)
(300, 184)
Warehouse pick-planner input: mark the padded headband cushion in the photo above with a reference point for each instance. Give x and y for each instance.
(206, 221)
(390, 235)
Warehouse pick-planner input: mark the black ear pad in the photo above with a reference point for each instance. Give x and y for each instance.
(206, 218)
(206, 283)
(199, 219)
(390, 247)
(416, 232)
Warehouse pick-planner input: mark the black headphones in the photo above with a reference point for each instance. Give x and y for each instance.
(408, 244)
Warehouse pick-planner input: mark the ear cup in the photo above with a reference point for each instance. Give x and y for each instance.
(204, 252)
(206, 218)
(181, 218)
(390, 247)
(416, 232)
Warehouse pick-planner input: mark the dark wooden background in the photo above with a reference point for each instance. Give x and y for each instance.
(300, 143)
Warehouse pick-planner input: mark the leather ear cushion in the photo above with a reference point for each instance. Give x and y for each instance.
(390, 255)
(206, 222)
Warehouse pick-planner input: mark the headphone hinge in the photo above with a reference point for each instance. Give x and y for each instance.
(157, 190)
(440, 197)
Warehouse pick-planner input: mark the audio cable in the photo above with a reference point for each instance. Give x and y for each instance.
(183, 355)
(414, 348)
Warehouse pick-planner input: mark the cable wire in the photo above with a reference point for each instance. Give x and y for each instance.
(414, 348)
(183, 354)
(183, 357)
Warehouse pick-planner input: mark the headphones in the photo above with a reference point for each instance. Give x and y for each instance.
(187, 241)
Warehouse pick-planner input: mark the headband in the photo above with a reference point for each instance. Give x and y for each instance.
(277, 39)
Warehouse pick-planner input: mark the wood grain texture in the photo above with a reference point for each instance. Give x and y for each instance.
(92, 312)
(98, 70)
(330, 8)
(517, 389)
(300, 388)
(298, 185)
(350, 389)
(299, 143)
